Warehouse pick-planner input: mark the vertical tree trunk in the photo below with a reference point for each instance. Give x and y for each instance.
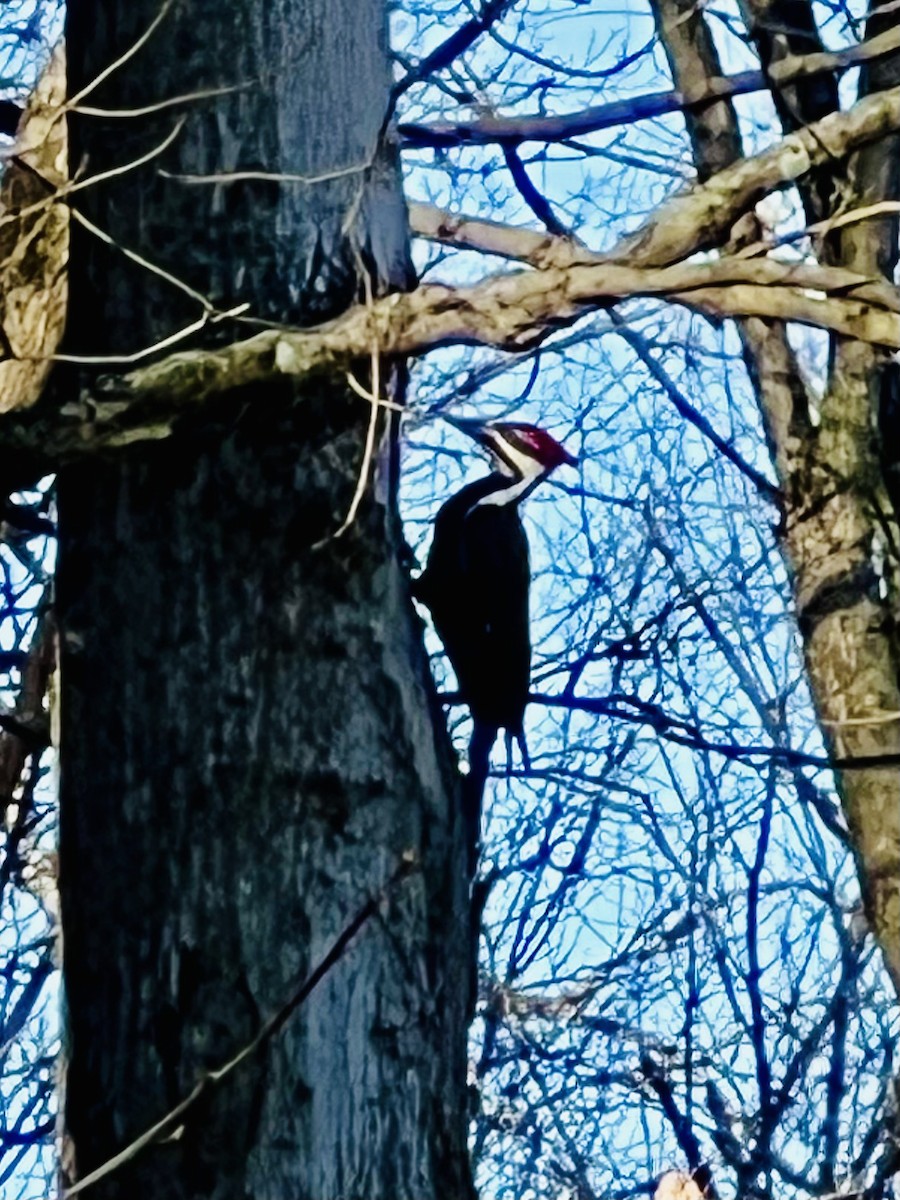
(249, 736)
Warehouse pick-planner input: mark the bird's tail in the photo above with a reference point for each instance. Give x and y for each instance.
(480, 745)
(518, 737)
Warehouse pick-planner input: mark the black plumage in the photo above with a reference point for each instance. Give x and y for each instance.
(476, 583)
(476, 586)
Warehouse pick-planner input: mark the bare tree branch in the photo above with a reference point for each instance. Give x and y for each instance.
(489, 130)
(511, 311)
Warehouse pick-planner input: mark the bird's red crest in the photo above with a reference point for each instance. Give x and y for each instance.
(539, 444)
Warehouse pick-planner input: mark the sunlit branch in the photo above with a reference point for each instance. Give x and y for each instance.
(510, 311)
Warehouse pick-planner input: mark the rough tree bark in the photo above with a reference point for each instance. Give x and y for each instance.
(34, 243)
(844, 541)
(249, 738)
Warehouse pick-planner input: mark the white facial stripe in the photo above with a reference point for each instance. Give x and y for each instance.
(507, 495)
(524, 465)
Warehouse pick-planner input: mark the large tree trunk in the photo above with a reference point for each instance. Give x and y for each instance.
(249, 738)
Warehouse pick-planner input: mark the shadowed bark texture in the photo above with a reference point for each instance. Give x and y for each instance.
(249, 735)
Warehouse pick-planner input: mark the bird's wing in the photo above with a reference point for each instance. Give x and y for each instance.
(495, 577)
(476, 585)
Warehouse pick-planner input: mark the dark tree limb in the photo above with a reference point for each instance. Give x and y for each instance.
(491, 130)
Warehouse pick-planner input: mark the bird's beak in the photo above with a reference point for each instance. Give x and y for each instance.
(471, 428)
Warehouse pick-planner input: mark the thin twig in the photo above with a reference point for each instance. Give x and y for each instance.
(124, 58)
(371, 398)
(674, 729)
(78, 185)
(866, 212)
(102, 176)
(160, 106)
(204, 302)
(375, 403)
(268, 176)
(368, 453)
(639, 345)
(363, 477)
(100, 360)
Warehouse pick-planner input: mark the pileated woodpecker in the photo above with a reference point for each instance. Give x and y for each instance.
(477, 578)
